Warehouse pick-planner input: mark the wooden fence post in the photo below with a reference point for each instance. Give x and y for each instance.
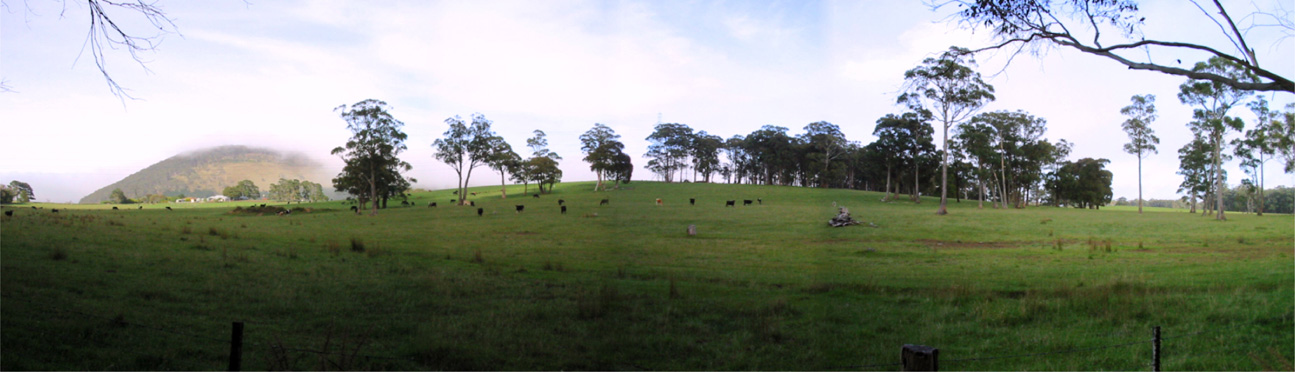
(236, 348)
(1155, 348)
(920, 358)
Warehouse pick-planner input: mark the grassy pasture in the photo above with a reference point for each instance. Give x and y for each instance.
(767, 286)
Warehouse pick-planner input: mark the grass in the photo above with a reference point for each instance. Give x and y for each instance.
(759, 287)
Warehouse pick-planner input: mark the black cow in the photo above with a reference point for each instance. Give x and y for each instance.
(262, 205)
(761, 201)
(114, 208)
(431, 205)
(746, 202)
(560, 201)
(404, 203)
(453, 200)
(54, 210)
(564, 209)
(604, 202)
(168, 208)
(355, 209)
(535, 196)
(472, 203)
(729, 203)
(33, 207)
(480, 211)
(10, 212)
(692, 201)
(520, 208)
(456, 192)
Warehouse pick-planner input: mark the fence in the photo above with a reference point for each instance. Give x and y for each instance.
(912, 357)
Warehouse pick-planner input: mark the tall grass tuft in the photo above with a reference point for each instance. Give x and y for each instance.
(357, 245)
(477, 258)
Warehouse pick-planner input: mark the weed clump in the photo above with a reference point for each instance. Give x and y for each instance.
(58, 254)
(357, 245)
(333, 248)
(476, 257)
(552, 266)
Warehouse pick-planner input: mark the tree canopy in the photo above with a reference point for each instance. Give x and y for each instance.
(372, 170)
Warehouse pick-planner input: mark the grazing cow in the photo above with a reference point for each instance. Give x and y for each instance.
(564, 209)
(537, 196)
(141, 207)
(456, 192)
(168, 208)
(262, 205)
(33, 207)
(729, 203)
(114, 208)
(658, 201)
(355, 209)
(10, 212)
(692, 201)
(54, 210)
(474, 194)
(604, 202)
(746, 202)
(560, 201)
(453, 200)
(404, 203)
(431, 205)
(760, 201)
(480, 211)
(520, 208)
(472, 203)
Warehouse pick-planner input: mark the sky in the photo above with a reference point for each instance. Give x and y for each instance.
(269, 74)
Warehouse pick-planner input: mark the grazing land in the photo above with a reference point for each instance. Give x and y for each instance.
(623, 286)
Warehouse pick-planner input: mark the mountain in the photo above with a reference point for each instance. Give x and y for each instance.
(207, 172)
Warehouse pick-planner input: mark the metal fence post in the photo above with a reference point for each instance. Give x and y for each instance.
(236, 348)
(1155, 348)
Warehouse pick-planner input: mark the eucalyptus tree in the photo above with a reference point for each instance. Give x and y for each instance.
(952, 91)
(1258, 146)
(1115, 30)
(465, 147)
(542, 166)
(601, 146)
(738, 158)
(825, 143)
(1142, 139)
(22, 191)
(622, 169)
(704, 151)
(980, 141)
(1194, 166)
(1215, 99)
(771, 152)
(1283, 134)
(906, 139)
(668, 148)
(503, 160)
(371, 155)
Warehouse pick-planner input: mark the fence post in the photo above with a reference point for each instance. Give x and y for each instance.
(1155, 348)
(920, 358)
(236, 348)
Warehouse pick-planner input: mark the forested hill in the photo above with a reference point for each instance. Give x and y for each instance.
(207, 172)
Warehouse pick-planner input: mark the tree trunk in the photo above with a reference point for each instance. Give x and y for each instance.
(887, 192)
(1261, 188)
(1193, 211)
(503, 186)
(944, 174)
(917, 189)
(1218, 177)
(1139, 181)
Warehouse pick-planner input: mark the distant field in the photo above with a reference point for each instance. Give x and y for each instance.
(766, 286)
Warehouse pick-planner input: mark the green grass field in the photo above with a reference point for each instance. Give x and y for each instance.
(767, 286)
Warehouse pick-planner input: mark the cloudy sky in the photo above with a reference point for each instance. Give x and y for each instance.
(270, 73)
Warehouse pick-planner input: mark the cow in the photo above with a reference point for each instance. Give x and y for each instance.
(10, 212)
(431, 205)
(453, 200)
(54, 210)
(729, 203)
(33, 207)
(262, 205)
(560, 201)
(604, 202)
(537, 196)
(746, 202)
(472, 203)
(564, 209)
(168, 208)
(114, 207)
(519, 208)
(474, 194)
(761, 201)
(355, 209)
(141, 207)
(692, 201)
(404, 203)
(456, 192)
(480, 211)
(658, 201)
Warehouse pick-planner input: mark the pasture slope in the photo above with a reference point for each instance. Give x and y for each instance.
(767, 286)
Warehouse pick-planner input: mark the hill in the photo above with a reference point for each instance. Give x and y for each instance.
(206, 172)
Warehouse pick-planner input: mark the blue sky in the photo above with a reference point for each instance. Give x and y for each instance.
(269, 74)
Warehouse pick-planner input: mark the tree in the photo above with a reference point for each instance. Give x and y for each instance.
(1068, 23)
(1085, 183)
(1193, 165)
(544, 170)
(371, 155)
(668, 147)
(952, 92)
(1215, 99)
(1142, 140)
(905, 139)
(22, 191)
(602, 147)
(118, 197)
(1258, 146)
(465, 147)
(704, 151)
(287, 190)
(539, 145)
(245, 189)
(503, 160)
(6, 194)
(1283, 134)
(825, 144)
(622, 169)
